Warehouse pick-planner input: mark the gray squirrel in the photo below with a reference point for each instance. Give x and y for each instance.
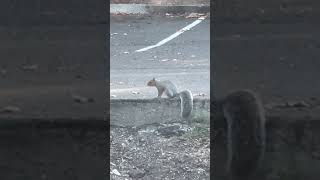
(244, 115)
(171, 91)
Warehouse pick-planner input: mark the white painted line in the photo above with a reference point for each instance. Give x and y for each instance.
(173, 35)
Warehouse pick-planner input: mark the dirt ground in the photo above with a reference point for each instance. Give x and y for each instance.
(160, 151)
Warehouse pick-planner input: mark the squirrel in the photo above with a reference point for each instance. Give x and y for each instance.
(246, 134)
(171, 91)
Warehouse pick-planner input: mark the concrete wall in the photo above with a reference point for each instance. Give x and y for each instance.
(136, 112)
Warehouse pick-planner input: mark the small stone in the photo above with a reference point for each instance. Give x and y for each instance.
(10, 109)
(297, 104)
(79, 76)
(302, 104)
(236, 35)
(261, 11)
(282, 58)
(195, 15)
(116, 172)
(32, 67)
(270, 106)
(137, 173)
(44, 176)
(3, 72)
(81, 99)
(235, 68)
(135, 92)
(316, 155)
(201, 94)
(313, 98)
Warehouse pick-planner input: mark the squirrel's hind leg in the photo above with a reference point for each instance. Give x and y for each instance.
(170, 93)
(160, 92)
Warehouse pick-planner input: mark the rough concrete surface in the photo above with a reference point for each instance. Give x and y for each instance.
(137, 112)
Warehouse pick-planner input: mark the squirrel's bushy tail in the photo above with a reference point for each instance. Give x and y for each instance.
(186, 103)
(245, 118)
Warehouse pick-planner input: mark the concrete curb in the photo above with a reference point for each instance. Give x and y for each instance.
(136, 112)
(157, 9)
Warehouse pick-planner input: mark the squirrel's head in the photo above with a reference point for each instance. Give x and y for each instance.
(152, 82)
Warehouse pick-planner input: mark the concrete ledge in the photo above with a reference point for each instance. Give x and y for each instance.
(136, 112)
(157, 9)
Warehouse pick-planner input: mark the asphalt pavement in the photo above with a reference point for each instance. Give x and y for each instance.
(185, 60)
(280, 61)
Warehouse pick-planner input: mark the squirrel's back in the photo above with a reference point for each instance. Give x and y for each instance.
(171, 89)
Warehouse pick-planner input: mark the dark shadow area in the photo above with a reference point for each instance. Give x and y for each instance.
(54, 79)
(272, 47)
